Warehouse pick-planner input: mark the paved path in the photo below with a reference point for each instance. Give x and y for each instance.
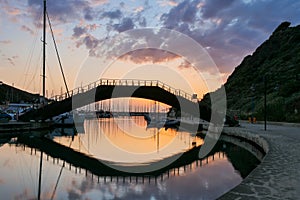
(278, 176)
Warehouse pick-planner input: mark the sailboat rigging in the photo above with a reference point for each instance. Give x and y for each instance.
(58, 57)
(45, 18)
(43, 101)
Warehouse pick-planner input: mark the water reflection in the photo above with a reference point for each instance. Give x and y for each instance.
(129, 141)
(76, 173)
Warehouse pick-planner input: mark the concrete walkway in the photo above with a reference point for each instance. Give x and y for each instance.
(278, 176)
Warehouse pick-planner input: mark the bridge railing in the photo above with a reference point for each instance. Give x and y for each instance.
(124, 82)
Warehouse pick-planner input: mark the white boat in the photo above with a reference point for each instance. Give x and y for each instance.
(69, 119)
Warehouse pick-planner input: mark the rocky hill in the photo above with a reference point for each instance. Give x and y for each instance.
(276, 62)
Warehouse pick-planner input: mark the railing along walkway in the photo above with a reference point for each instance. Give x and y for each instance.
(124, 82)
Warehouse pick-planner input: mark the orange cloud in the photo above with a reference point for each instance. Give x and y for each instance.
(13, 11)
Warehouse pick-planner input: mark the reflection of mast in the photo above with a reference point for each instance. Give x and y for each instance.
(157, 140)
(60, 173)
(40, 176)
(129, 103)
(109, 104)
(88, 142)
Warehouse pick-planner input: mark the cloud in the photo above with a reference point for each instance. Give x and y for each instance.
(126, 24)
(243, 27)
(90, 42)
(99, 2)
(116, 14)
(149, 56)
(185, 65)
(61, 11)
(229, 29)
(122, 4)
(168, 3)
(212, 7)
(27, 29)
(88, 14)
(115, 21)
(13, 11)
(139, 9)
(153, 46)
(184, 12)
(81, 34)
(79, 31)
(11, 61)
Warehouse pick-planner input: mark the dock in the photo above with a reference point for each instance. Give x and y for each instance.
(14, 128)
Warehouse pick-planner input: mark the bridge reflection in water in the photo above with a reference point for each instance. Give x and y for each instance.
(78, 159)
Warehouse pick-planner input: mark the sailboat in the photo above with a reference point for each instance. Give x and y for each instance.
(65, 119)
(43, 100)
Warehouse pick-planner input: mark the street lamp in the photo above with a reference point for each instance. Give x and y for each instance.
(252, 88)
(265, 101)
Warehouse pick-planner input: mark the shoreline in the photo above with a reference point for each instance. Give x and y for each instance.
(277, 175)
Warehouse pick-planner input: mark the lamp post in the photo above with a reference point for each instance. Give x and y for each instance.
(252, 88)
(265, 101)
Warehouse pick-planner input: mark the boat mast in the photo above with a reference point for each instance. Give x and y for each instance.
(43, 101)
(44, 52)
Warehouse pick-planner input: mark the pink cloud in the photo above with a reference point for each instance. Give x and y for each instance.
(99, 2)
(168, 3)
(12, 12)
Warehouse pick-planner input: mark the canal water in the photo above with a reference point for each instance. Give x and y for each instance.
(121, 158)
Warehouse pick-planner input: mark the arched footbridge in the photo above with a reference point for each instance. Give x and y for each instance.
(104, 89)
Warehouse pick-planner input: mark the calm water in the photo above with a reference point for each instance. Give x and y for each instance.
(121, 159)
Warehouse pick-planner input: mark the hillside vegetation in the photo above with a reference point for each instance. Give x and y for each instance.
(15, 95)
(276, 61)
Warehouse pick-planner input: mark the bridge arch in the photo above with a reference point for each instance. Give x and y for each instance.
(105, 89)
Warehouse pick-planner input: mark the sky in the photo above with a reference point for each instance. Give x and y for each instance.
(86, 32)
